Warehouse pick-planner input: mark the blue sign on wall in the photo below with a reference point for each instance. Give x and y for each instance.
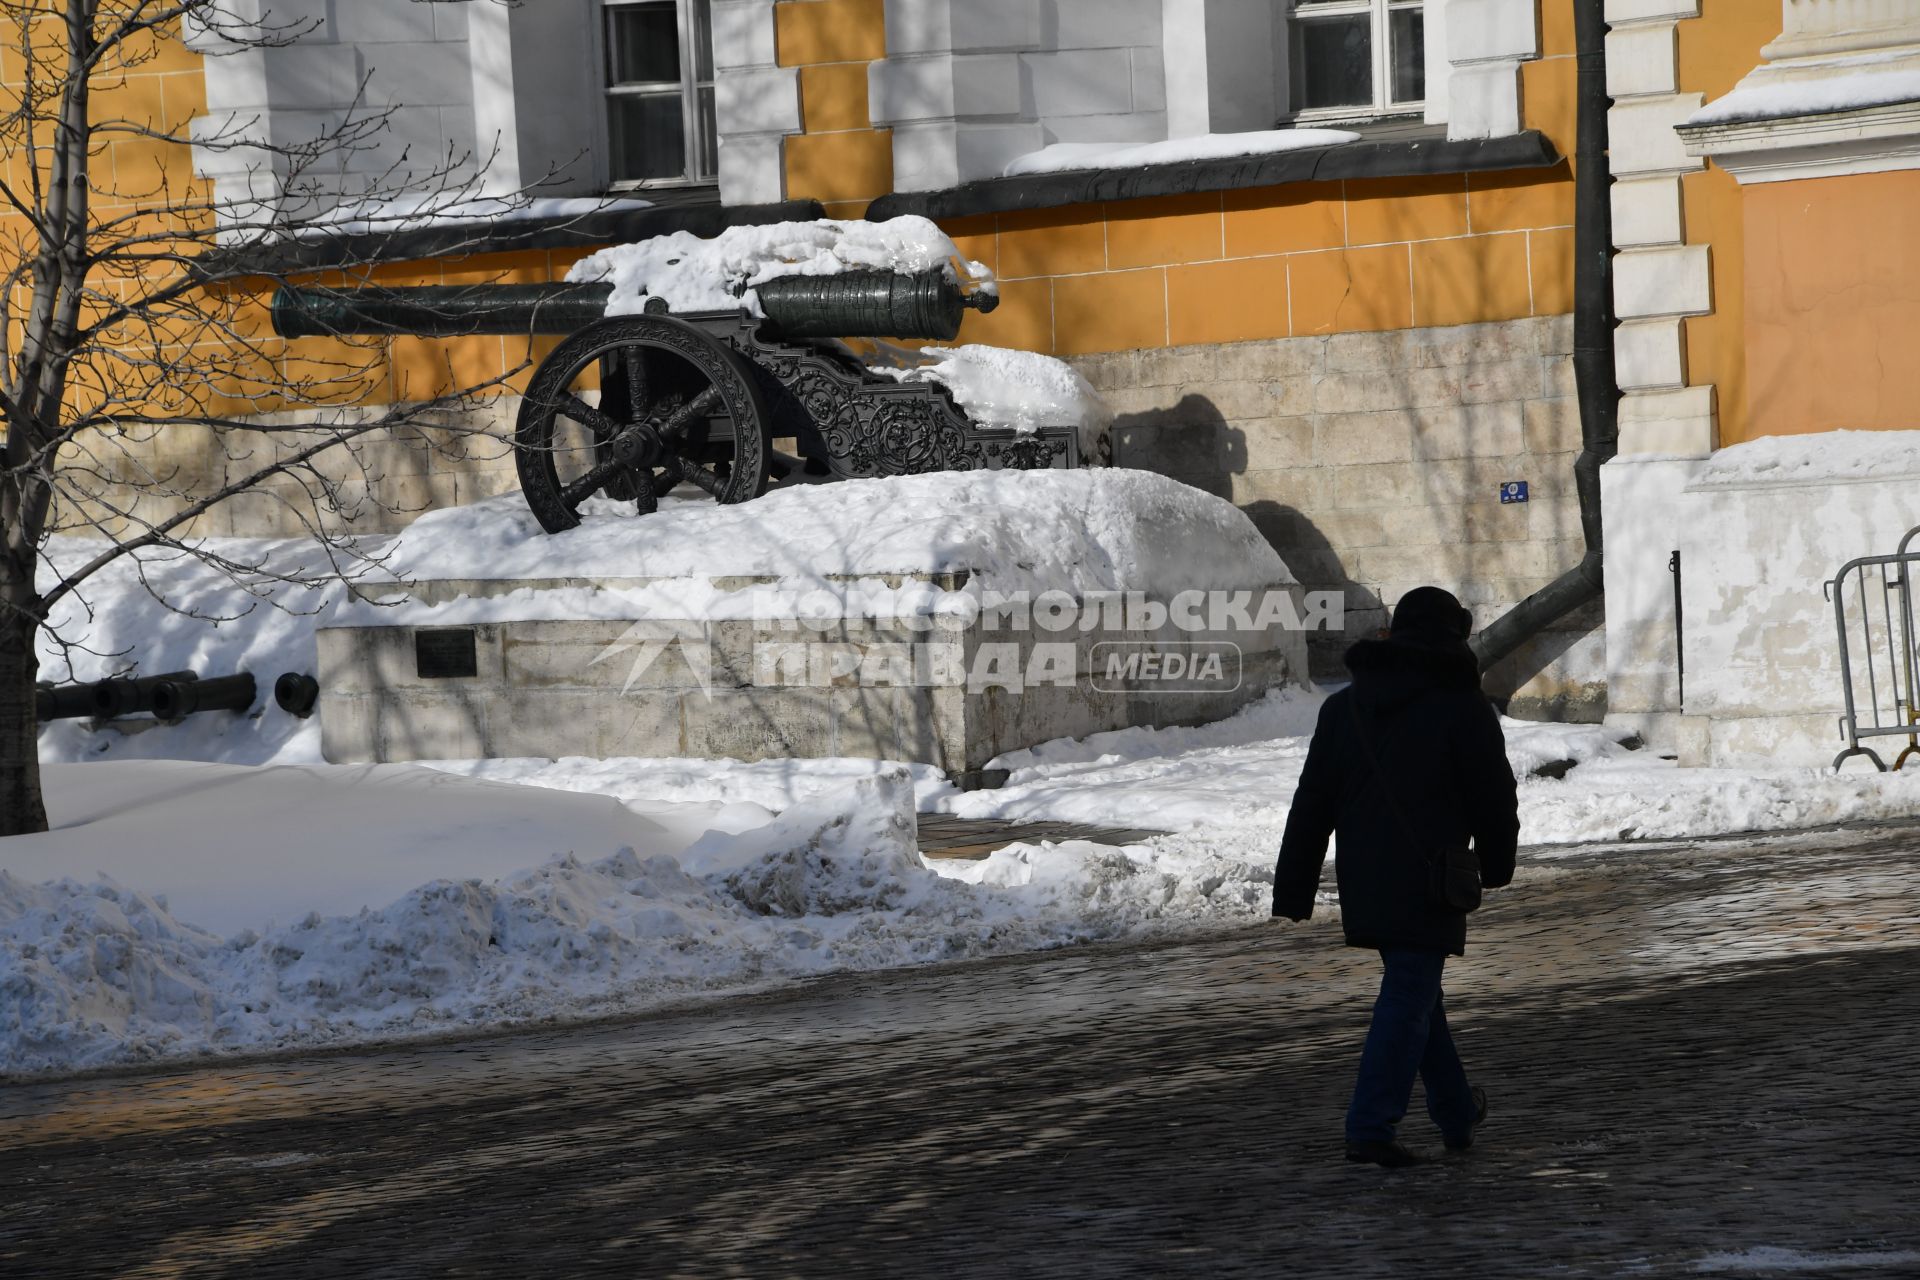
(1513, 491)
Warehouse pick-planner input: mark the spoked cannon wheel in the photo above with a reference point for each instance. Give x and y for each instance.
(673, 406)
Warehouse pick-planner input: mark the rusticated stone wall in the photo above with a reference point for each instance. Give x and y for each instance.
(1374, 463)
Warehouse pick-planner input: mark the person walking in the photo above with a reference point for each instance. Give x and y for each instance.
(1406, 763)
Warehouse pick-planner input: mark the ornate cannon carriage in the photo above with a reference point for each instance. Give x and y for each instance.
(630, 407)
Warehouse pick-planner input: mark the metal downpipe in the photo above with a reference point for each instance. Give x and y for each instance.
(1593, 321)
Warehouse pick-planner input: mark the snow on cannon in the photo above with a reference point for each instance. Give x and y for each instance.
(685, 362)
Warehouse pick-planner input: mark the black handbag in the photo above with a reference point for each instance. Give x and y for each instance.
(1453, 876)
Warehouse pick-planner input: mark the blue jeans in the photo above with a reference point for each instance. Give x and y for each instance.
(1409, 1036)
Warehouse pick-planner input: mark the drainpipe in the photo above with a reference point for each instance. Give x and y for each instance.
(1593, 319)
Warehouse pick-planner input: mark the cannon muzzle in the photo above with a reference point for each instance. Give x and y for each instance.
(296, 693)
(439, 311)
(177, 699)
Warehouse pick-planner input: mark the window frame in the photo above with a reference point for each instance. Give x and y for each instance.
(701, 147)
(1380, 34)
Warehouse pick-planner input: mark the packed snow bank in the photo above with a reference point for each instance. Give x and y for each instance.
(1820, 458)
(218, 839)
(1232, 782)
(97, 973)
(1104, 529)
(1017, 389)
(722, 894)
(691, 274)
(1063, 156)
(768, 786)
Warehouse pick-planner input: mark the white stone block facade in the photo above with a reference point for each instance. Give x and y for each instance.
(510, 93)
(1657, 278)
(1142, 71)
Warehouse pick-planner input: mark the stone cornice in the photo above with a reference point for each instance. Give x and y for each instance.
(1780, 149)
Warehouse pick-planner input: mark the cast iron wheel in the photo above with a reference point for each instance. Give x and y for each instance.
(674, 405)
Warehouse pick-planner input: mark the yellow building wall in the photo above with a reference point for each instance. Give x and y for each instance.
(160, 85)
(1285, 261)
(1832, 316)
(1714, 51)
(1293, 260)
(1276, 262)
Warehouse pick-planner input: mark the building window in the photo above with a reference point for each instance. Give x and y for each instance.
(659, 60)
(1357, 58)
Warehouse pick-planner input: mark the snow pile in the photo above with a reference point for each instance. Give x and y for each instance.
(100, 973)
(1819, 458)
(828, 550)
(1064, 156)
(691, 274)
(1228, 786)
(1018, 389)
(221, 939)
(211, 836)
(1080, 531)
(1816, 86)
(764, 786)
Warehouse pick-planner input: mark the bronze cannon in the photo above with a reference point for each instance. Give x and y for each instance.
(723, 402)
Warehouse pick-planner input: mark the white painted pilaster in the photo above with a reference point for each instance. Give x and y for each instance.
(756, 104)
(1486, 41)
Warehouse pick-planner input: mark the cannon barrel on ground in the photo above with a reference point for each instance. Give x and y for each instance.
(121, 696)
(860, 304)
(62, 701)
(100, 699)
(177, 699)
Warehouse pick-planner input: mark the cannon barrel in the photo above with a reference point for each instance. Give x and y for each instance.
(859, 304)
(176, 699)
(99, 699)
(62, 701)
(122, 696)
(869, 304)
(439, 311)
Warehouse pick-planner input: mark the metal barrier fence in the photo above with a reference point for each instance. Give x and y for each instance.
(1887, 645)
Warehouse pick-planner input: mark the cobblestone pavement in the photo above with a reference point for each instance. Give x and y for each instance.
(945, 836)
(1702, 1058)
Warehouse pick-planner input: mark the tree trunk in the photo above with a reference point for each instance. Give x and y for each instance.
(21, 808)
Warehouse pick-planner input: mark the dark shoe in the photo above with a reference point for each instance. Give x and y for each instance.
(1388, 1155)
(1479, 1118)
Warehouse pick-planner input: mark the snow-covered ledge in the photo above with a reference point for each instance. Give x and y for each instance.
(1837, 93)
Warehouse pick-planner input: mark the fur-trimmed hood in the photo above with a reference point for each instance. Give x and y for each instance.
(1389, 672)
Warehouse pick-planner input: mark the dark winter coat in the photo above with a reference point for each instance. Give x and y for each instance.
(1440, 743)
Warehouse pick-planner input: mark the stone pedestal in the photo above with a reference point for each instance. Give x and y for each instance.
(421, 683)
